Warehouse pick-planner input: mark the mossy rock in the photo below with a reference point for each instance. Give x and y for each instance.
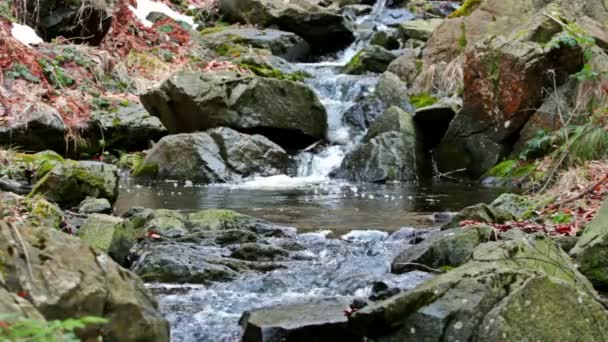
(481, 213)
(371, 59)
(216, 219)
(467, 7)
(113, 235)
(69, 183)
(43, 212)
(448, 248)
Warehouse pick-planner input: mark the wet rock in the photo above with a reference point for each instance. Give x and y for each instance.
(361, 115)
(14, 186)
(372, 58)
(166, 223)
(444, 249)
(218, 220)
(81, 21)
(419, 29)
(386, 153)
(483, 300)
(215, 156)
(386, 40)
(352, 12)
(287, 112)
(83, 282)
(319, 319)
(283, 44)
(258, 252)
(112, 235)
(323, 29)
(71, 182)
(128, 128)
(481, 213)
(186, 263)
(40, 128)
(590, 251)
(95, 206)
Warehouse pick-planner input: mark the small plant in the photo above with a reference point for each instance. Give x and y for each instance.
(21, 71)
(16, 328)
(538, 146)
(55, 73)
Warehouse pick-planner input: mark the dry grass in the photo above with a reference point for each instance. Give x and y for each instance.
(442, 79)
(576, 179)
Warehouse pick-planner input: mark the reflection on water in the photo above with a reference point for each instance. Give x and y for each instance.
(330, 205)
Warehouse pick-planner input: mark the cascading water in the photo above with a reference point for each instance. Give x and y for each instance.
(338, 92)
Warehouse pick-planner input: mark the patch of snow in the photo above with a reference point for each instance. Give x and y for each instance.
(25, 34)
(145, 7)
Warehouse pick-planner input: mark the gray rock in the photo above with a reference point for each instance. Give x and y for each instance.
(282, 44)
(387, 152)
(447, 248)
(84, 282)
(39, 128)
(215, 156)
(419, 29)
(320, 319)
(481, 213)
(95, 206)
(258, 252)
(406, 67)
(323, 29)
(372, 58)
(129, 128)
(186, 263)
(191, 101)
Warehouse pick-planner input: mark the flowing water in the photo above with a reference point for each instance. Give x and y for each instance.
(372, 222)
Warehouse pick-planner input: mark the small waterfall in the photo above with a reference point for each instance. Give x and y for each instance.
(337, 92)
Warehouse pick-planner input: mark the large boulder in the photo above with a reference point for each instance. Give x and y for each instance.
(320, 319)
(591, 252)
(387, 152)
(282, 44)
(323, 29)
(447, 248)
(71, 182)
(38, 128)
(486, 18)
(112, 235)
(506, 293)
(216, 156)
(62, 278)
(285, 111)
(504, 81)
(127, 128)
(78, 20)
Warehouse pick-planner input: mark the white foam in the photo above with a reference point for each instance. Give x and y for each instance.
(145, 7)
(25, 34)
(365, 235)
(276, 182)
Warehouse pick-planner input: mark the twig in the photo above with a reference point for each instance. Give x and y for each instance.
(582, 194)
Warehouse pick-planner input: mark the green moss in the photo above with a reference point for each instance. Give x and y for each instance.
(218, 28)
(214, 218)
(144, 169)
(230, 50)
(265, 70)
(354, 65)
(423, 100)
(462, 41)
(466, 9)
(43, 211)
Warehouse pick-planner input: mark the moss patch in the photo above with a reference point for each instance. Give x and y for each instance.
(466, 9)
(214, 218)
(264, 70)
(423, 100)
